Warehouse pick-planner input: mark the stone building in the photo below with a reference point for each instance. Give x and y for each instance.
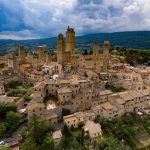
(35, 108)
(57, 135)
(2, 89)
(93, 130)
(12, 100)
(79, 117)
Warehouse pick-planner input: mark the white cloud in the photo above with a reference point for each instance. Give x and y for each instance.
(17, 35)
(48, 17)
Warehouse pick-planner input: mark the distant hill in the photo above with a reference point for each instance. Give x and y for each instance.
(134, 39)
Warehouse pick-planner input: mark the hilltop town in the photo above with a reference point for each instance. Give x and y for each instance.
(67, 87)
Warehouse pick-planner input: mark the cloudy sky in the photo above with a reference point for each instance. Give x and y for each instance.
(26, 19)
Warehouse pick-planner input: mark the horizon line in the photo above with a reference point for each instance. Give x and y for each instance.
(76, 36)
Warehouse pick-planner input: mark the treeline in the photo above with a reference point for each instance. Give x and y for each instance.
(133, 56)
(119, 133)
(124, 130)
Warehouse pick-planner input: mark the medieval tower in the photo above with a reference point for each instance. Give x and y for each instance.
(96, 56)
(60, 49)
(95, 49)
(48, 57)
(41, 53)
(11, 60)
(22, 55)
(70, 40)
(106, 48)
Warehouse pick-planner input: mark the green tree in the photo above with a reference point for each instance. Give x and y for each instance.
(2, 129)
(12, 121)
(28, 144)
(111, 143)
(37, 134)
(27, 97)
(38, 128)
(24, 134)
(4, 108)
(65, 143)
(48, 144)
(13, 84)
(66, 131)
(80, 137)
(65, 112)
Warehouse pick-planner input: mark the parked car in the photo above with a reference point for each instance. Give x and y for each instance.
(2, 143)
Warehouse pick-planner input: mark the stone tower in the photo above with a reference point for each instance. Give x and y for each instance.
(60, 49)
(30, 58)
(11, 60)
(48, 57)
(41, 53)
(22, 55)
(96, 56)
(95, 49)
(106, 56)
(70, 40)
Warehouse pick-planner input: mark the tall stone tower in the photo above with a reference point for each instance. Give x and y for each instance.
(11, 60)
(30, 58)
(95, 49)
(106, 56)
(48, 57)
(41, 53)
(70, 40)
(22, 55)
(60, 49)
(96, 56)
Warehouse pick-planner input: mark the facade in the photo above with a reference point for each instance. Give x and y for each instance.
(2, 89)
(57, 135)
(51, 68)
(79, 117)
(12, 100)
(93, 130)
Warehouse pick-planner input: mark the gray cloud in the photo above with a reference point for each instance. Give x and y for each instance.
(23, 19)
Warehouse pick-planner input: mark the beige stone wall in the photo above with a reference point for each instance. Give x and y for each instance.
(2, 91)
(65, 97)
(67, 57)
(35, 109)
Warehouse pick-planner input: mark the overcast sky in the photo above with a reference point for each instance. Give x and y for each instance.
(26, 19)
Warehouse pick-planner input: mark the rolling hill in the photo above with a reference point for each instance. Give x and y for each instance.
(133, 39)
